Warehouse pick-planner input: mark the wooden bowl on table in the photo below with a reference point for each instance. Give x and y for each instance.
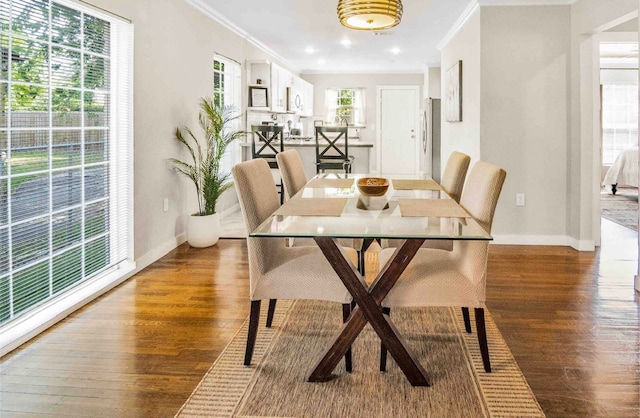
(373, 186)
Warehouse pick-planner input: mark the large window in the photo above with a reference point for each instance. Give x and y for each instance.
(619, 119)
(345, 105)
(227, 92)
(65, 149)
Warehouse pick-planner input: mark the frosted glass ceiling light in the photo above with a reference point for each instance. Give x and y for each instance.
(369, 15)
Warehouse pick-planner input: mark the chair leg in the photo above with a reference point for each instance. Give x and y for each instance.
(346, 312)
(467, 320)
(361, 255)
(482, 338)
(253, 331)
(270, 311)
(383, 349)
(281, 192)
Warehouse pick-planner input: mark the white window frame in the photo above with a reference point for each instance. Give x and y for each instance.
(32, 322)
(358, 108)
(232, 96)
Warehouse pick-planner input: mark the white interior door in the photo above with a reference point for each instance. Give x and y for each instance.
(399, 136)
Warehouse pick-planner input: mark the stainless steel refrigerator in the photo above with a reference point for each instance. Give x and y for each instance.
(430, 137)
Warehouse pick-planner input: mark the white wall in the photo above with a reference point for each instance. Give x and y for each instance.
(463, 136)
(532, 87)
(174, 47)
(525, 57)
(587, 17)
(431, 84)
(321, 82)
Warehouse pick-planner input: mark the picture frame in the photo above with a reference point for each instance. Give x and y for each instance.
(258, 96)
(453, 97)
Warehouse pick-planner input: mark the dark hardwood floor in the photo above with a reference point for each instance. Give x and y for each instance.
(571, 319)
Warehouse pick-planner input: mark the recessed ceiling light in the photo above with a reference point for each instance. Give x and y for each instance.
(309, 50)
(346, 42)
(395, 50)
(321, 61)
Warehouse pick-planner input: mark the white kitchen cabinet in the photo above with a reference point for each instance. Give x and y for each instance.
(286, 92)
(306, 93)
(301, 97)
(280, 81)
(277, 89)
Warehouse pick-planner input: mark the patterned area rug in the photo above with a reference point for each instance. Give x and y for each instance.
(621, 208)
(275, 385)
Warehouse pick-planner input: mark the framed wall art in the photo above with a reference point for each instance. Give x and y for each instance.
(453, 98)
(258, 97)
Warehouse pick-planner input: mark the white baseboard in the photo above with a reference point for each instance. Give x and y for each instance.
(160, 251)
(582, 245)
(558, 240)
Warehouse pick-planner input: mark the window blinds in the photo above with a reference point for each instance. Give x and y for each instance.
(65, 148)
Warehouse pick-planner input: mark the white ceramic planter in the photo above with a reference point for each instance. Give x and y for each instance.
(203, 231)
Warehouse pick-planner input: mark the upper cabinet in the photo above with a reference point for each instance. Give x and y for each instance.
(280, 80)
(285, 91)
(307, 98)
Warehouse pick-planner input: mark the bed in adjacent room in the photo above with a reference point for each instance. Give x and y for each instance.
(624, 170)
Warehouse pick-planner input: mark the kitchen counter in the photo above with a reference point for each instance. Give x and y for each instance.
(312, 143)
(306, 148)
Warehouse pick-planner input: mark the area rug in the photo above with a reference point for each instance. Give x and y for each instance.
(621, 208)
(275, 385)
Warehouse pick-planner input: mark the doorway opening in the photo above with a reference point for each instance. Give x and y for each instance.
(619, 133)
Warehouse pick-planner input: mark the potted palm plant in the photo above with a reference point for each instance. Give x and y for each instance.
(203, 227)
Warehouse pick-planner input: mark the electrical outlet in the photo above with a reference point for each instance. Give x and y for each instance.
(520, 199)
(165, 204)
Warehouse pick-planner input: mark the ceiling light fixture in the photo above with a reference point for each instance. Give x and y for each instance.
(369, 15)
(309, 50)
(395, 50)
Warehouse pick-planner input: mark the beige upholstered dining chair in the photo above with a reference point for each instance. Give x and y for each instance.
(293, 180)
(458, 277)
(275, 270)
(292, 171)
(455, 172)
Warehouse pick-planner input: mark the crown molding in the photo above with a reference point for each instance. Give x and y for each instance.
(466, 14)
(409, 71)
(526, 2)
(203, 7)
(475, 4)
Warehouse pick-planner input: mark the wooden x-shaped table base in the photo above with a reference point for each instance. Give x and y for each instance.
(369, 310)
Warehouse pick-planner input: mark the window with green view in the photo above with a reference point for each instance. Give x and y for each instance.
(58, 145)
(345, 105)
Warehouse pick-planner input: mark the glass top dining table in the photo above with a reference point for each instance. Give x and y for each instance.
(412, 210)
(365, 216)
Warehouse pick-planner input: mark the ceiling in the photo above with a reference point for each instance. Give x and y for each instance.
(307, 35)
